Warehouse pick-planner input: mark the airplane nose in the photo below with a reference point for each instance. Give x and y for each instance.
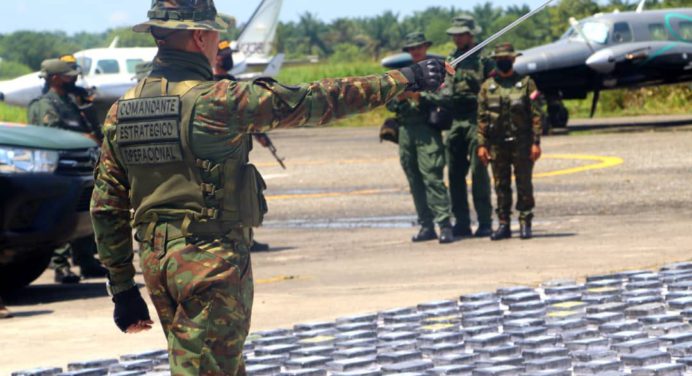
(602, 61)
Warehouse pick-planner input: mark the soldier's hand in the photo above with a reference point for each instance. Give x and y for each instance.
(131, 314)
(428, 75)
(536, 152)
(484, 155)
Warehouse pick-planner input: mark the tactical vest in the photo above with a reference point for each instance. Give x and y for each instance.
(168, 183)
(466, 84)
(510, 110)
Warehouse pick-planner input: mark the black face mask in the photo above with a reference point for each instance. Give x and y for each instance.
(227, 62)
(505, 65)
(69, 87)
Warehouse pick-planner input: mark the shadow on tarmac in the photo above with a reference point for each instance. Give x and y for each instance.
(554, 235)
(31, 313)
(52, 293)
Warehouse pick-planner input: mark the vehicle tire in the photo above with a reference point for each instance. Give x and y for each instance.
(22, 272)
(558, 115)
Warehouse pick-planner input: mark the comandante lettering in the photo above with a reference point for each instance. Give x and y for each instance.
(148, 107)
(152, 154)
(162, 130)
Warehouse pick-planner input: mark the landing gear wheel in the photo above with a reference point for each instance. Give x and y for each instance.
(558, 116)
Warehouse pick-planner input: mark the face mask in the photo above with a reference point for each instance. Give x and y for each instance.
(504, 65)
(69, 86)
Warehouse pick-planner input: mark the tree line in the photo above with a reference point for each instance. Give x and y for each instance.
(341, 40)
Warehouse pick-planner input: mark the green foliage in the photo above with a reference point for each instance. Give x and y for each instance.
(12, 114)
(9, 70)
(659, 100)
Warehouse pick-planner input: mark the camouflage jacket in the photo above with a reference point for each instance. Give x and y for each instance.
(508, 109)
(460, 92)
(55, 111)
(229, 110)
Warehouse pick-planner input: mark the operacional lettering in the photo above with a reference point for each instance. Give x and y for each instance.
(144, 108)
(152, 154)
(148, 131)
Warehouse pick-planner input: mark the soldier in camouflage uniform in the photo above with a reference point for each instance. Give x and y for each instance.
(175, 153)
(460, 98)
(422, 154)
(57, 109)
(509, 136)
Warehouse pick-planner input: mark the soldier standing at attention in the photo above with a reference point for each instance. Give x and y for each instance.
(509, 136)
(460, 97)
(175, 152)
(422, 154)
(56, 109)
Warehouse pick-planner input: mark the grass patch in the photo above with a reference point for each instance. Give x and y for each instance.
(12, 114)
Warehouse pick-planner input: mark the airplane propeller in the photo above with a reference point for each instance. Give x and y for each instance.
(594, 103)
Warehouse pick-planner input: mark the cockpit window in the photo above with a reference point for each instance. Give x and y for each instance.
(622, 32)
(593, 31)
(85, 64)
(685, 28)
(107, 67)
(132, 65)
(658, 32)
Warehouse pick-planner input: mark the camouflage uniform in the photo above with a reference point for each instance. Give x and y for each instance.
(422, 156)
(60, 111)
(509, 123)
(194, 195)
(460, 97)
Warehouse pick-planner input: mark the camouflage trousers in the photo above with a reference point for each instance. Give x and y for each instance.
(462, 156)
(203, 293)
(81, 250)
(505, 157)
(422, 157)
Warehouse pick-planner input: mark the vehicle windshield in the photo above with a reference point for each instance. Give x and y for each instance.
(594, 31)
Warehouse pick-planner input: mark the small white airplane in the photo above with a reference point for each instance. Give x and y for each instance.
(110, 71)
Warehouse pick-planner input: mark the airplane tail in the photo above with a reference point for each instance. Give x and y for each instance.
(274, 66)
(257, 36)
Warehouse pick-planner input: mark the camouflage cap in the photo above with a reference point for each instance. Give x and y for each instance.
(61, 67)
(414, 40)
(504, 50)
(462, 24)
(183, 14)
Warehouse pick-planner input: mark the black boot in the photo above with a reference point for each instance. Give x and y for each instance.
(425, 234)
(65, 276)
(462, 231)
(483, 231)
(259, 247)
(446, 234)
(502, 232)
(525, 231)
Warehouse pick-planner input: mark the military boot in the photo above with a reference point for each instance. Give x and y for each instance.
(64, 275)
(446, 233)
(483, 231)
(525, 222)
(462, 231)
(259, 247)
(502, 232)
(425, 234)
(91, 268)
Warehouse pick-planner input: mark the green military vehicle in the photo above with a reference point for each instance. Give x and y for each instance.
(46, 179)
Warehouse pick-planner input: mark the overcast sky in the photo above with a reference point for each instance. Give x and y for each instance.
(98, 15)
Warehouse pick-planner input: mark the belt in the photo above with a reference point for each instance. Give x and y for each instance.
(184, 228)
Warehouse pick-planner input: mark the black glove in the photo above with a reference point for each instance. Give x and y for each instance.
(428, 75)
(130, 308)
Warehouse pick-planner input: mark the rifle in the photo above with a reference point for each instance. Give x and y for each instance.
(500, 33)
(265, 141)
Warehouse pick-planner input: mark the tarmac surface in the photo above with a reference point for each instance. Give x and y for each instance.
(340, 222)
